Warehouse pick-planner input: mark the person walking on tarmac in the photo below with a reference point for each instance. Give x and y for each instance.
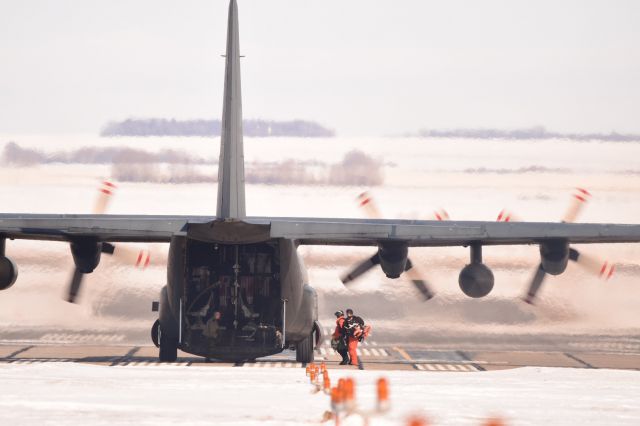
(339, 338)
(354, 326)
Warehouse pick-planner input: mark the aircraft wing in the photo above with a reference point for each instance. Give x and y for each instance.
(445, 233)
(111, 228)
(310, 231)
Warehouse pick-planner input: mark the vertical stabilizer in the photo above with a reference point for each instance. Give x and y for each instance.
(231, 203)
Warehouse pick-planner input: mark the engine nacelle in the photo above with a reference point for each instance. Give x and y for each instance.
(476, 280)
(86, 254)
(554, 256)
(8, 273)
(393, 258)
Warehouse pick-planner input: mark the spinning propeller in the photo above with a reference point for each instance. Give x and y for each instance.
(603, 269)
(86, 253)
(390, 256)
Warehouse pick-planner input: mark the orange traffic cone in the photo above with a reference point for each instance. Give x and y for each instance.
(383, 395)
(417, 421)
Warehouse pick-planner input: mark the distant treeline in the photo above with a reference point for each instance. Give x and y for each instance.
(211, 128)
(172, 166)
(531, 133)
(355, 169)
(14, 154)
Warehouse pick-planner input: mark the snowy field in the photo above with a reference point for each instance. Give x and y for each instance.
(73, 394)
(472, 179)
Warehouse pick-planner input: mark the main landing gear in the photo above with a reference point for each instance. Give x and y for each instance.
(166, 329)
(168, 346)
(304, 349)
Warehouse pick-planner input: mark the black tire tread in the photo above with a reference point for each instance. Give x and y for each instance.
(304, 350)
(168, 348)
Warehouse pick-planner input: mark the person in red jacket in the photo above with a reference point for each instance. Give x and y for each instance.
(355, 327)
(339, 338)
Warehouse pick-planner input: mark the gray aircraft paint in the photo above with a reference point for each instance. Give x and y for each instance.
(308, 231)
(231, 203)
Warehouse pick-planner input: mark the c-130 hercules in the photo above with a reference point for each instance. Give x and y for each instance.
(236, 286)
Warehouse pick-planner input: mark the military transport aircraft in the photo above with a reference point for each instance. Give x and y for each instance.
(236, 287)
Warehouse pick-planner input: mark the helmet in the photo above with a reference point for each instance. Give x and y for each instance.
(349, 311)
(339, 314)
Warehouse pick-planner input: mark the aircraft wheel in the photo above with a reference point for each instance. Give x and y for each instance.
(168, 347)
(304, 350)
(155, 333)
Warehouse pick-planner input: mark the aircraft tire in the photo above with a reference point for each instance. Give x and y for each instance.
(155, 333)
(304, 350)
(168, 348)
(167, 330)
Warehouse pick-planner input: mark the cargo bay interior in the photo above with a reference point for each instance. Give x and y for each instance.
(232, 296)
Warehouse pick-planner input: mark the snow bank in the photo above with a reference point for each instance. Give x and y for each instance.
(63, 393)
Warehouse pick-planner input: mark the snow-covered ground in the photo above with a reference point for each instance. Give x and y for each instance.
(74, 394)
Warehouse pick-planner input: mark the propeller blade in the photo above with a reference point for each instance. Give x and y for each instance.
(441, 214)
(603, 269)
(535, 285)
(74, 285)
(418, 281)
(105, 192)
(139, 258)
(578, 200)
(360, 269)
(507, 216)
(366, 203)
(107, 248)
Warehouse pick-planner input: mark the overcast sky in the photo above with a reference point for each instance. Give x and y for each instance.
(361, 67)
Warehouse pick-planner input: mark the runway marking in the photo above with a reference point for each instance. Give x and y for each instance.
(81, 338)
(465, 357)
(326, 350)
(272, 365)
(37, 360)
(615, 346)
(19, 351)
(403, 353)
(445, 367)
(575, 358)
(151, 364)
(126, 356)
(379, 352)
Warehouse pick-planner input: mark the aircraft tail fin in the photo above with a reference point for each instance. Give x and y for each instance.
(231, 199)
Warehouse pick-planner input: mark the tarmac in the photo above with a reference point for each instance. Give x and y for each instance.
(458, 355)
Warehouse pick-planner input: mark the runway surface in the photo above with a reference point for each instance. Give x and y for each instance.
(458, 354)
